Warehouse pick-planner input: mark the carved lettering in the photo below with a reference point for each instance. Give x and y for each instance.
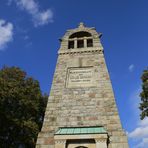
(80, 77)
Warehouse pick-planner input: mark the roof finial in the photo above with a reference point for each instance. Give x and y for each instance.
(81, 25)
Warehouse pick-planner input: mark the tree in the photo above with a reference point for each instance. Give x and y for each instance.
(22, 107)
(144, 95)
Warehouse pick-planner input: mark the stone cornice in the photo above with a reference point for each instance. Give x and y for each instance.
(79, 51)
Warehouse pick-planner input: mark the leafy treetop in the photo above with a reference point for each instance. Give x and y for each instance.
(144, 95)
(22, 107)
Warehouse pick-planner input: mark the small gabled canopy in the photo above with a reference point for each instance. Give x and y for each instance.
(80, 130)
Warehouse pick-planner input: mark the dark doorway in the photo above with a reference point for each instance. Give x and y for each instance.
(79, 142)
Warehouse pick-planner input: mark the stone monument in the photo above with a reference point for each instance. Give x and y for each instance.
(81, 111)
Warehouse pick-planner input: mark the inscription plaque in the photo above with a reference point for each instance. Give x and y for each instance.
(79, 77)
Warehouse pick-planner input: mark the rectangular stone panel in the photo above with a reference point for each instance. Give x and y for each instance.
(80, 77)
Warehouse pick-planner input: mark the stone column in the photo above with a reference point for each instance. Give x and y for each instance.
(85, 42)
(60, 143)
(101, 143)
(75, 43)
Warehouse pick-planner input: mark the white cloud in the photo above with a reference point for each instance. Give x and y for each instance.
(143, 143)
(140, 133)
(131, 67)
(6, 33)
(43, 18)
(32, 7)
(134, 99)
(144, 122)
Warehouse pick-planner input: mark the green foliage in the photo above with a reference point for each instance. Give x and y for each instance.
(144, 95)
(22, 107)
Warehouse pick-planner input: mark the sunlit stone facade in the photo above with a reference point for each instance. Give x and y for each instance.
(81, 96)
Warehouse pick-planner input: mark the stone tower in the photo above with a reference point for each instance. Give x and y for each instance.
(81, 110)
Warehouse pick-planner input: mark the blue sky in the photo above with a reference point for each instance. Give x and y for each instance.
(29, 38)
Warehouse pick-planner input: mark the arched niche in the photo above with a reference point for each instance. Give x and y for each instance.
(80, 39)
(80, 34)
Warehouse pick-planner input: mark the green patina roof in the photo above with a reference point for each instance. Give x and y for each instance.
(80, 130)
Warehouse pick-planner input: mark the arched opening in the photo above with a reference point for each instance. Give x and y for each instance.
(80, 34)
(81, 39)
(80, 143)
(80, 43)
(70, 44)
(89, 43)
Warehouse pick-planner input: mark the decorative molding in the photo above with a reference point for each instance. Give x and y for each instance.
(60, 141)
(79, 52)
(101, 140)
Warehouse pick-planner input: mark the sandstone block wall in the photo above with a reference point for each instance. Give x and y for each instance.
(74, 106)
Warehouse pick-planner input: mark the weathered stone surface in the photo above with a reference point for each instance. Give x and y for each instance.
(81, 94)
